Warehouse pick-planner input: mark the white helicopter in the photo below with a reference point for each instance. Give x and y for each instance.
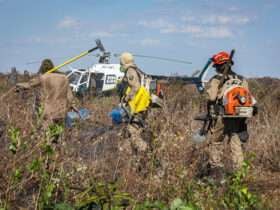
(100, 77)
(103, 77)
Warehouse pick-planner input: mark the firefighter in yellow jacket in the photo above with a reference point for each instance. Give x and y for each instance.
(232, 128)
(132, 76)
(135, 96)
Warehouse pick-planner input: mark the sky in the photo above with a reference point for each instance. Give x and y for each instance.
(191, 30)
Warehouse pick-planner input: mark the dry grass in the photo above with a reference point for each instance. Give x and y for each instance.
(96, 151)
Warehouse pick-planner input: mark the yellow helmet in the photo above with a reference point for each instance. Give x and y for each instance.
(126, 58)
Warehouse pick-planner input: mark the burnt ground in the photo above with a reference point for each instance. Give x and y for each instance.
(95, 151)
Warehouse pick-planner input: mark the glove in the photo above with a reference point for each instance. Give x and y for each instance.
(127, 98)
(23, 85)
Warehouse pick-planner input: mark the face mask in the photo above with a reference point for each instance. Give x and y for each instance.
(122, 69)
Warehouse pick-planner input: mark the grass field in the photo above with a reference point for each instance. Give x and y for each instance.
(94, 164)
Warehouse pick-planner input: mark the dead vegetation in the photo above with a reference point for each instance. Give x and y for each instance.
(96, 162)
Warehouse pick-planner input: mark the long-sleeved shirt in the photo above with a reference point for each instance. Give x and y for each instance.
(56, 95)
(132, 77)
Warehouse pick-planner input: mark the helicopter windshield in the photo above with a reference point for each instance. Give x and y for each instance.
(74, 78)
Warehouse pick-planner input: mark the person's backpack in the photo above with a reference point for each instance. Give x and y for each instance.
(236, 99)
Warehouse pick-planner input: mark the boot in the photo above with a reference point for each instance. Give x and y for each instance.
(217, 174)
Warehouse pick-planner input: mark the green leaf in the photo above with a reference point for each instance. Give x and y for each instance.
(17, 175)
(54, 130)
(63, 206)
(34, 166)
(48, 149)
(49, 190)
(13, 148)
(176, 204)
(14, 135)
(187, 208)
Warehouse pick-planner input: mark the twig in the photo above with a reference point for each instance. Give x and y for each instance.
(115, 172)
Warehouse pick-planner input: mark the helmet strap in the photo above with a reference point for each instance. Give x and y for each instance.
(226, 70)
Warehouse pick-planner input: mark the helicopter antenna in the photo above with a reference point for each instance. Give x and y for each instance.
(158, 58)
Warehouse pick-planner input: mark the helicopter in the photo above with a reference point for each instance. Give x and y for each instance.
(101, 77)
(104, 76)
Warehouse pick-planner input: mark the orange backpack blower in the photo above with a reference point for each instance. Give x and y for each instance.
(238, 102)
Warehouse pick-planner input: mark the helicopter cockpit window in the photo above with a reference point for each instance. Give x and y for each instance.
(74, 78)
(84, 78)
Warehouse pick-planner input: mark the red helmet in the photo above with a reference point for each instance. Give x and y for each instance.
(220, 58)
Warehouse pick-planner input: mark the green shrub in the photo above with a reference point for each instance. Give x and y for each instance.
(237, 195)
(15, 140)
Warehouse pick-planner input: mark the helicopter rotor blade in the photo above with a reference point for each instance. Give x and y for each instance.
(158, 58)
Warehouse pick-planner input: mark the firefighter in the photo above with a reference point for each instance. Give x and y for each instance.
(134, 94)
(132, 77)
(231, 129)
(134, 97)
(55, 96)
